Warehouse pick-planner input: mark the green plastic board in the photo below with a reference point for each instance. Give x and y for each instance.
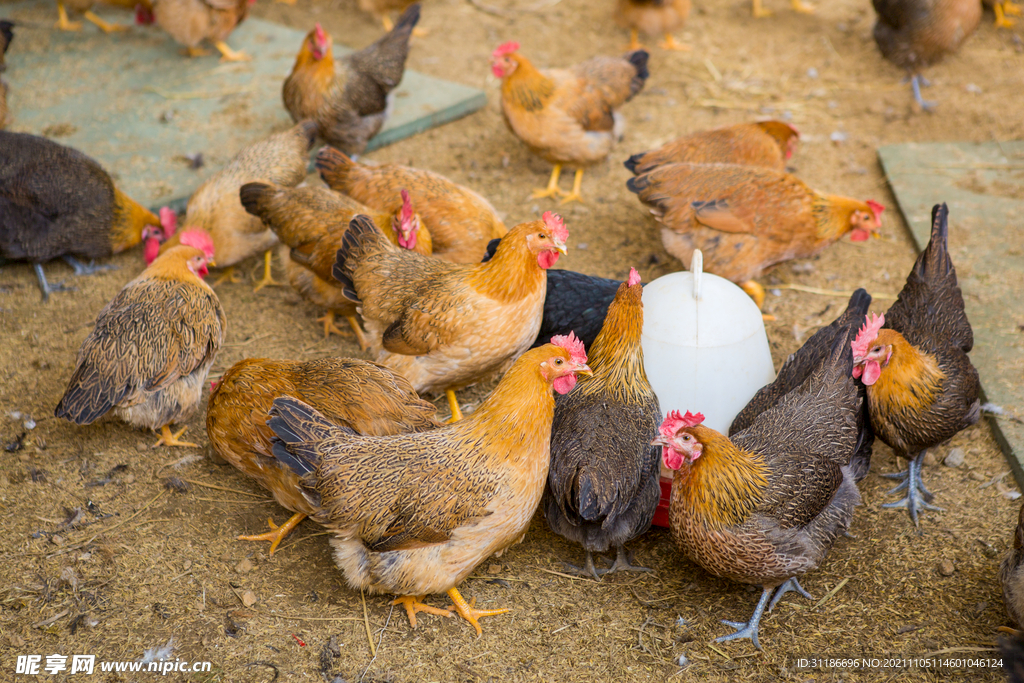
(983, 184)
(135, 104)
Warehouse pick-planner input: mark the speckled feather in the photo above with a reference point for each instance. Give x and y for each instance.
(603, 480)
(459, 220)
(361, 395)
(781, 217)
(913, 34)
(151, 349)
(761, 144)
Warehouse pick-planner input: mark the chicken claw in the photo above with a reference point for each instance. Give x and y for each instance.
(195, 52)
(758, 11)
(230, 276)
(62, 20)
(268, 278)
(1001, 10)
(467, 611)
(623, 563)
(799, 6)
(229, 55)
(756, 292)
(918, 497)
(634, 41)
(670, 44)
(588, 568)
(791, 584)
(277, 533)
(169, 439)
(750, 628)
(552, 189)
(575, 196)
(414, 604)
(104, 26)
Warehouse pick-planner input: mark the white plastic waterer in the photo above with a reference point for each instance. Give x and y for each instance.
(705, 348)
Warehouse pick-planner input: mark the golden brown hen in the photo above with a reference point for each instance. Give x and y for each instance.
(151, 349)
(311, 223)
(215, 206)
(190, 22)
(459, 220)
(414, 514)
(653, 18)
(356, 394)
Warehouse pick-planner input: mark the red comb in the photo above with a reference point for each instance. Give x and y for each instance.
(199, 240)
(319, 33)
(556, 225)
(634, 277)
(505, 48)
(867, 334)
(675, 421)
(168, 221)
(406, 206)
(877, 210)
(571, 343)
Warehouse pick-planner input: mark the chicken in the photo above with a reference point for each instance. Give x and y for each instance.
(190, 22)
(1011, 574)
(446, 325)
(746, 219)
(348, 99)
(56, 202)
(151, 349)
(921, 386)
(574, 302)
(799, 366)
(84, 7)
(914, 34)
(766, 506)
(6, 36)
(215, 207)
(758, 10)
(603, 480)
(459, 220)
(414, 514)
(567, 116)
(383, 8)
(362, 396)
(1002, 10)
(654, 18)
(1012, 652)
(765, 143)
(311, 222)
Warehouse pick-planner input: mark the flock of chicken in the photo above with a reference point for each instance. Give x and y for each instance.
(449, 296)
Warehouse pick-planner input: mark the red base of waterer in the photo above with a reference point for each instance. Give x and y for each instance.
(661, 514)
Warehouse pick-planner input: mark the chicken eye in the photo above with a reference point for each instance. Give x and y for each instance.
(558, 361)
(543, 236)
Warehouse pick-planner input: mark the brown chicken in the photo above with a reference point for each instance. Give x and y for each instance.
(765, 507)
(311, 223)
(603, 481)
(215, 207)
(382, 10)
(758, 10)
(349, 98)
(914, 34)
(414, 514)
(567, 116)
(922, 388)
(362, 396)
(56, 202)
(765, 143)
(151, 349)
(653, 18)
(1011, 574)
(444, 325)
(190, 22)
(745, 219)
(459, 220)
(804, 361)
(84, 7)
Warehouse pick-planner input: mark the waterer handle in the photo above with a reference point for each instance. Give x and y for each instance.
(697, 269)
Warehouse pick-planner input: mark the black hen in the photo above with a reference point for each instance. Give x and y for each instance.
(574, 303)
(799, 366)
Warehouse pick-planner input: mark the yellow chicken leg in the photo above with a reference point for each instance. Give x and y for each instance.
(634, 40)
(1001, 10)
(360, 336)
(798, 6)
(62, 20)
(169, 439)
(229, 55)
(196, 52)
(756, 292)
(552, 189)
(329, 327)
(414, 604)
(385, 19)
(268, 279)
(277, 533)
(574, 196)
(104, 26)
(670, 44)
(453, 405)
(229, 276)
(470, 614)
(286, 2)
(758, 11)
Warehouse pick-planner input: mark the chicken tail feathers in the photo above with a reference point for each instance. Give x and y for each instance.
(638, 58)
(336, 168)
(362, 234)
(633, 162)
(408, 20)
(857, 308)
(638, 184)
(492, 248)
(298, 428)
(934, 262)
(86, 400)
(255, 198)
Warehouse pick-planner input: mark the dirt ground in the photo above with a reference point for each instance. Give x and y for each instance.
(141, 563)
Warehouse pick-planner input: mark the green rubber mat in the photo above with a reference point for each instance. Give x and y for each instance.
(983, 184)
(135, 104)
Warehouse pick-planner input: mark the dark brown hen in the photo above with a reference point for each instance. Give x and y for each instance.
(1011, 574)
(921, 386)
(766, 507)
(603, 482)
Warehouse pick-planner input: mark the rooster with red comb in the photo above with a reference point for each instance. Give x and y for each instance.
(921, 386)
(766, 506)
(603, 483)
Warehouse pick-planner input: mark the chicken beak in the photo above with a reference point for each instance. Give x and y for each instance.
(584, 369)
(211, 263)
(560, 246)
(659, 441)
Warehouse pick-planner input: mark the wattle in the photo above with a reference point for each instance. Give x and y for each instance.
(546, 259)
(407, 243)
(673, 459)
(151, 250)
(564, 384)
(859, 235)
(872, 370)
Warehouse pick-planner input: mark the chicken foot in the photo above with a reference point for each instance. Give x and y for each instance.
(230, 276)
(670, 43)
(330, 328)
(83, 269)
(799, 6)
(453, 405)
(45, 286)
(104, 26)
(268, 277)
(623, 563)
(62, 20)
(169, 439)
(468, 612)
(1002, 9)
(588, 568)
(229, 55)
(916, 83)
(758, 10)
(634, 41)
(918, 497)
(575, 195)
(756, 292)
(791, 584)
(277, 533)
(552, 189)
(748, 629)
(414, 604)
